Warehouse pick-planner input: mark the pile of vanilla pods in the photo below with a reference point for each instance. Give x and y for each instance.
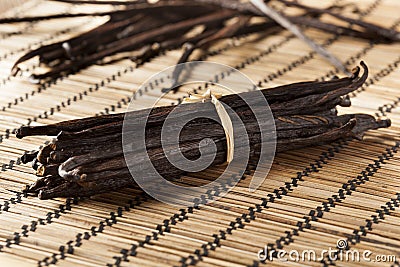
(148, 29)
(87, 157)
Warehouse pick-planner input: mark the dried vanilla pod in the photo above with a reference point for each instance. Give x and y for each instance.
(141, 30)
(87, 157)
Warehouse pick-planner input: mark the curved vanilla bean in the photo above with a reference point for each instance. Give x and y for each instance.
(321, 99)
(71, 125)
(332, 135)
(390, 34)
(92, 158)
(76, 161)
(137, 41)
(367, 122)
(29, 156)
(49, 169)
(44, 153)
(45, 182)
(55, 16)
(277, 97)
(133, 9)
(90, 41)
(225, 32)
(68, 189)
(116, 29)
(335, 29)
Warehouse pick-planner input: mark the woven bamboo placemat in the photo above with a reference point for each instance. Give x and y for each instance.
(349, 190)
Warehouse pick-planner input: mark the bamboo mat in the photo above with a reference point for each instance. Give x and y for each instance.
(311, 198)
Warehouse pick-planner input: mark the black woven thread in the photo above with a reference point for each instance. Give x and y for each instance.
(118, 259)
(379, 214)
(20, 99)
(359, 54)
(50, 216)
(278, 193)
(81, 237)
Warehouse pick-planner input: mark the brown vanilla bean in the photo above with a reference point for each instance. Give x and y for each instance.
(137, 25)
(300, 137)
(89, 159)
(276, 96)
(225, 32)
(390, 34)
(131, 10)
(342, 132)
(68, 189)
(49, 169)
(136, 41)
(29, 156)
(44, 153)
(339, 30)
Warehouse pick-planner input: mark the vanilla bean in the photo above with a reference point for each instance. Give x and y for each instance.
(49, 169)
(89, 41)
(278, 97)
(44, 153)
(88, 158)
(301, 137)
(29, 156)
(390, 34)
(332, 135)
(131, 9)
(137, 41)
(151, 28)
(71, 125)
(332, 28)
(284, 22)
(68, 189)
(225, 32)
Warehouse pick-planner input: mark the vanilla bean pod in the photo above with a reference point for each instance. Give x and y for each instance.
(195, 130)
(74, 129)
(49, 169)
(225, 32)
(332, 28)
(191, 132)
(287, 127)
(140, 25)
(299, 137)
(132, 9)
(276, 97)
(68, 189)
(89, 159)
(390, 34)
(137, 41)
(116, 166)
(29, 156)
(100, 182)
(88, 42)
(116, 29)
(332, 135)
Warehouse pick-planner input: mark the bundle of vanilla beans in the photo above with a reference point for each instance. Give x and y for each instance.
(141, 30)
(87, 157)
